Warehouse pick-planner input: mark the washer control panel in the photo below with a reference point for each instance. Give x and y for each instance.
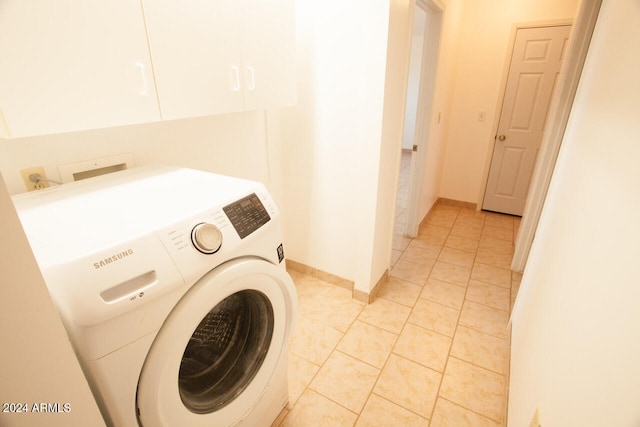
(247, 215)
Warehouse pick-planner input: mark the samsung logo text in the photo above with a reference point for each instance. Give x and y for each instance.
(112, 259)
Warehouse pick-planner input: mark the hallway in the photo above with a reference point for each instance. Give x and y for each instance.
(431, 350)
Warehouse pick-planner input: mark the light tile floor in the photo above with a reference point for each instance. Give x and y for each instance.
(431, 350)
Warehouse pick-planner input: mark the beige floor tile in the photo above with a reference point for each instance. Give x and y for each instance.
(345, 380)
(474, 388)
(443, 219)
(400, 291)
(497, 220)
(496, 259)
(457, 257)
(488, 294)
(409, 385)
(435, 317)
(309, 288)
(469, 221)
(423, 346)
(380, 412)
(415, 273)
(395, 256)
(443, 293)
(400, 242)
(434, 231)
(466, 232)
(461, 243)
(481, 349)
(498, 232)
(428, 248)
(449, 414)
(496, 245)
(417, 255)
(368, 343)
(386, 314)
(314, 410)
(422, 240)
(301, 372)
(485, 319)
(335, 307)
(450, 273)
(314, 341)
(490, 274)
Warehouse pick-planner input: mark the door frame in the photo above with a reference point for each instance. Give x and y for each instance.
(424, 111)
(560, 109)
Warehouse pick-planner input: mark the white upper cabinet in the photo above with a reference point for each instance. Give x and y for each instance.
(268, 44)
(221, 56)
(68, 65)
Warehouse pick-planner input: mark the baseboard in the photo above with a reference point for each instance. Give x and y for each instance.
(364, 297)
(368, 298)
(319, 274)
(455, 203)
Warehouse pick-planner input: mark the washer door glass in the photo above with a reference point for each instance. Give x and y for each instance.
(225, 351)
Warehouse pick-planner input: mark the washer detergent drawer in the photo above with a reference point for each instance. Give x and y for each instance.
(111, 282)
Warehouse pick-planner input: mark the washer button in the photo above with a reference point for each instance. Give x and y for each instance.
(207, 238)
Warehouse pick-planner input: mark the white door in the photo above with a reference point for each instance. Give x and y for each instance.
(219, 348)
(535, 66)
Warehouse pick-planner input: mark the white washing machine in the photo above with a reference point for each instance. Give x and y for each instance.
(172, 288)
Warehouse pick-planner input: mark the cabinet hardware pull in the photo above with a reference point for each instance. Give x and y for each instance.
(252, 75)
(236, 72)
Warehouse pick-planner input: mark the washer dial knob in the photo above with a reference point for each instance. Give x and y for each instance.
(206, 237)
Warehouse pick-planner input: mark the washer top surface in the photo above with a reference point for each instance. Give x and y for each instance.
(68, 221)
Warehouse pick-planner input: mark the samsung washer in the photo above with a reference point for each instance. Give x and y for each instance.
(172, 288)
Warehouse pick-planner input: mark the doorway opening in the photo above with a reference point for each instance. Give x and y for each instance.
(425, 43)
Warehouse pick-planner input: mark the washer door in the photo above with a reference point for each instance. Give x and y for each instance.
(218, 349)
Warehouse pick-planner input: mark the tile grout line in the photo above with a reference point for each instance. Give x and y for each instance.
(446, 363)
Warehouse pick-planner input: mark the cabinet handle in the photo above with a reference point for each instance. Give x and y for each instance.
(252, 78)
(236, 83)
(143, 91)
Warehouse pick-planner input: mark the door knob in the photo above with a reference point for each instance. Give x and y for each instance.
(502, 137)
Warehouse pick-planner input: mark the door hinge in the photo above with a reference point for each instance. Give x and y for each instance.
(415, 147)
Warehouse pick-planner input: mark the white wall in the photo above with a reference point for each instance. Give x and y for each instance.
(576, 322)
(341, 157)
(37, 363)
(231, 144)
(483, 54)
(332, 139)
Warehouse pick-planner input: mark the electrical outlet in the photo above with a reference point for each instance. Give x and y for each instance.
(31, 186)
(535, 421)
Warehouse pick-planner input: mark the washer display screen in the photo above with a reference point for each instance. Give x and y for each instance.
(247, 215)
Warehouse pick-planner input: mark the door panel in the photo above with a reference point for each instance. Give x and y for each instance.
(510, 167)
(533, 72)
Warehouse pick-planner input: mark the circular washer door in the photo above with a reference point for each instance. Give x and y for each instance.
(217, 350)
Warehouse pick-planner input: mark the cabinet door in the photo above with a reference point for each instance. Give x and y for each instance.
(73, 64)
(268, 51)
(196, 56)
